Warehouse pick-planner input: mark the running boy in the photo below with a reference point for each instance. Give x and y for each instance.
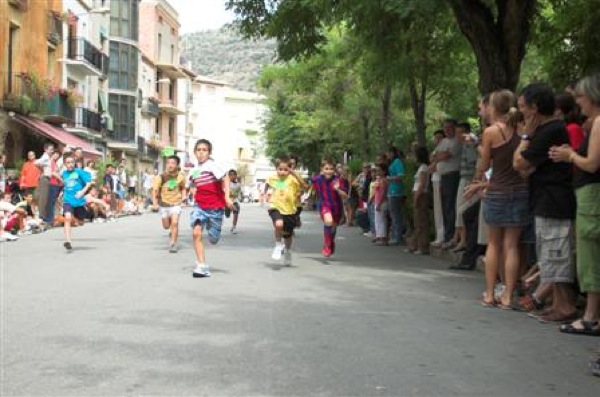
(76, 183)
(235, 192)
(168, 192)
(331, 194)
(211, 185)
(286, 185)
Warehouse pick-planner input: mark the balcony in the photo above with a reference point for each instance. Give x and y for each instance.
(168, 106)
(85, 58)
(25, 94)
(86, 122)
(150, 107)
(21, 5)
(55, 28)
(58, 110)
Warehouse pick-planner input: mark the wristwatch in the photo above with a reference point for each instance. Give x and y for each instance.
(525, 137)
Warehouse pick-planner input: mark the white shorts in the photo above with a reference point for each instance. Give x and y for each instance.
(167, 212)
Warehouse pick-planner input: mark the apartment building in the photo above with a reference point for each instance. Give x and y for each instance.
(31, 77)
(159, 41)
(149, 141)
(123, 94)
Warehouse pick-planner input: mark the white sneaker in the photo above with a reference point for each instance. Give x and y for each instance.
(233, 231)
(277, 252)
(201, 270)
(287, 258)
(8, 237)
(24, 232)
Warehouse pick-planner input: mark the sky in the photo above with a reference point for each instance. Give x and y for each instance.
(195, 15)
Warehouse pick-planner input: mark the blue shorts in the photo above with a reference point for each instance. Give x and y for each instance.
(506, 209)
(211, 220)
(76, 212)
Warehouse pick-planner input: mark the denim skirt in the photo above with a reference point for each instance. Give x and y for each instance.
(506, 209)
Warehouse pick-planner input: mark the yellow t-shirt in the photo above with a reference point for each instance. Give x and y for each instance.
(285, 193)
(170, 191)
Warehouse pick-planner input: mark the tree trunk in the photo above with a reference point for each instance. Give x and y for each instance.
(386, 101)
(364, 117)
(417, 102)
(499, 43)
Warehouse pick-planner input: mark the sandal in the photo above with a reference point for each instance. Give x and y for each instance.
(589, 328)
(487, 304)
(529, 304)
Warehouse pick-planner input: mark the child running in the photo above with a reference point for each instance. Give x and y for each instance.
(76, 183)
(331, 196)
(285, 185)
(235, 192)
(211, 184)
(168, 192)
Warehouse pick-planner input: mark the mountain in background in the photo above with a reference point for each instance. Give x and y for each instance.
(225, 55)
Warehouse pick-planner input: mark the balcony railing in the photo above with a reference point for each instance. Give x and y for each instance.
(81, 49)
(150, 107)
(24, 94)
(21, 5)
(58, 110)
(88, 119)
(55, 28)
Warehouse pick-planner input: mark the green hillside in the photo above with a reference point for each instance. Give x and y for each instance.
(224, 55)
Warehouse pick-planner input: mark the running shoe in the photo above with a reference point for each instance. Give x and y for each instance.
(326, 251)
(233, 231)
(201, 271)
(173, 248)
(287, 258)
(9, 237)
(277, 252)
(68, 245)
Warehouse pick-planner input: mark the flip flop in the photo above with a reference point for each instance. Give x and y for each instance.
(591, 328)
(487, 304)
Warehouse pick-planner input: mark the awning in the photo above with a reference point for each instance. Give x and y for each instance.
(56, 134)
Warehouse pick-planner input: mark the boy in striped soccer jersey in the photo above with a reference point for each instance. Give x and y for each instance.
(331, 193)
(211, 185)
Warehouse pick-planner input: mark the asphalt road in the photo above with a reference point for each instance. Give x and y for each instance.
(121, 316)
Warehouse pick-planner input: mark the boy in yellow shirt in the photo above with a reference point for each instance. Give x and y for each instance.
(285, 185)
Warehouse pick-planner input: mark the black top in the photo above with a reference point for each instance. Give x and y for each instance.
(551, 185)
(582, 177)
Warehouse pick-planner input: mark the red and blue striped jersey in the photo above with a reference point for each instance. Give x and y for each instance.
(329, 198)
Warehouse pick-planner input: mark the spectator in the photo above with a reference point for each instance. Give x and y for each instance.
(30, 174)
(587, 185)
(54, 187)
(91, 168)
(419, 244)
(380, 201)
(2, 172)
(505, 205)
(43, 190)
(396, 195)
(467, 171)
(448, 157)
(567, 109)
(552, 197)
(132, 184)
(436, 178)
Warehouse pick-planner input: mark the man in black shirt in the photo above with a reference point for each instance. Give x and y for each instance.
(552, 197)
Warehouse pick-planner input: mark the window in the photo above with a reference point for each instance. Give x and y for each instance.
(12, 43)
(160, 19)
(123, 67)
(124, 19)
(172, 54)
(122, 109)
(159, 45)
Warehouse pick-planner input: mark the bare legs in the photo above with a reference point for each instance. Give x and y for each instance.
(503, 243)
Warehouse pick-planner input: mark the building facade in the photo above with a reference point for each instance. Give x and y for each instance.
(124, 61)
(159, 40)
(33, 103)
